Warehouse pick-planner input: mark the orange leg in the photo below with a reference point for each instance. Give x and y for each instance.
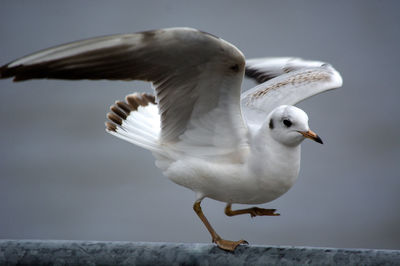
(252, 211)
(222, 243)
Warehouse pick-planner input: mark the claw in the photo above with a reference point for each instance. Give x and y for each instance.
(255, 211)
(262, 212)
(229, 245)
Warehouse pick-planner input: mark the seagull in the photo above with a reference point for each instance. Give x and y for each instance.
(203, 131)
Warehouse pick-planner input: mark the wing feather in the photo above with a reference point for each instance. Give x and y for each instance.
(264, 69)
(191, 71)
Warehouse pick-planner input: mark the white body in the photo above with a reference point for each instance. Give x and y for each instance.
(261, 178)
(264, 170)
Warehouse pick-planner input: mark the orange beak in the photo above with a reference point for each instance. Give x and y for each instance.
(311, 135)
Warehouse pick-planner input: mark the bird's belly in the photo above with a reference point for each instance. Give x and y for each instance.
(232, 183)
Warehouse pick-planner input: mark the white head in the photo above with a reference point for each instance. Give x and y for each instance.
(289, 125)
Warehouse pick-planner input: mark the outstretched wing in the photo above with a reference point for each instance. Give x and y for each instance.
(264, 69)
(284, 81)
(197, 78)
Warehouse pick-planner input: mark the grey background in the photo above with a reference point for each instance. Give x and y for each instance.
(63, 177)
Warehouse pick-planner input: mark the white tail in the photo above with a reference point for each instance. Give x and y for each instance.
(136, 120)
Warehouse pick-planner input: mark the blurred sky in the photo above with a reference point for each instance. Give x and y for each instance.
(63, 177)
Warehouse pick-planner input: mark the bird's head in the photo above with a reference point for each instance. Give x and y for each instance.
(289, 125)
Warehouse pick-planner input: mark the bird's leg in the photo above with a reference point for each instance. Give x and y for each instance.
(222, 243)
(252, 211)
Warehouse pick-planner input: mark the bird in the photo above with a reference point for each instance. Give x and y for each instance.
(203, 131)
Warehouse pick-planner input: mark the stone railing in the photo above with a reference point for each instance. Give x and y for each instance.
(60, 252)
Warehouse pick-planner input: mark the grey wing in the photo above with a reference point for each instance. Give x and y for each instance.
(193, 73)
(284, 81)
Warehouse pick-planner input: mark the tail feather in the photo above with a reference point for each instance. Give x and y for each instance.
(136, 120)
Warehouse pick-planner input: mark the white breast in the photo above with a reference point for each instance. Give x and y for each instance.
(233, 183)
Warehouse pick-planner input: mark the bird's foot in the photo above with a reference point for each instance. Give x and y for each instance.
(255, 211)
(228, 245)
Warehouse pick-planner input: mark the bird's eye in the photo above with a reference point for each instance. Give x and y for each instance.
(287, 122)
(271, 124)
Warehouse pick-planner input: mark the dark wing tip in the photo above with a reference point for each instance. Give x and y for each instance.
(135, 100)
(121, 110)
(257, 75)
(22, 72)
(114, 118)
(150, 98)
(123, 106)
(6, 72)
(118, 112)
(111, 127)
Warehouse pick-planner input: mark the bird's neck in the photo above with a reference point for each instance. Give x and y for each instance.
(271, 157)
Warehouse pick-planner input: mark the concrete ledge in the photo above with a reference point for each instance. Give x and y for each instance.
(60, 252)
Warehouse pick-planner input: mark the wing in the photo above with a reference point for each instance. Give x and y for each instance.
(197, 77)
(264, 69)
(285, 81)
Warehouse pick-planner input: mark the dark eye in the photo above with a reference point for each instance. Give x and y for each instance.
(287, 122)
(271, 124)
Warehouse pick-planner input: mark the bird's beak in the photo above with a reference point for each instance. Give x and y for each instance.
(311, 135)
